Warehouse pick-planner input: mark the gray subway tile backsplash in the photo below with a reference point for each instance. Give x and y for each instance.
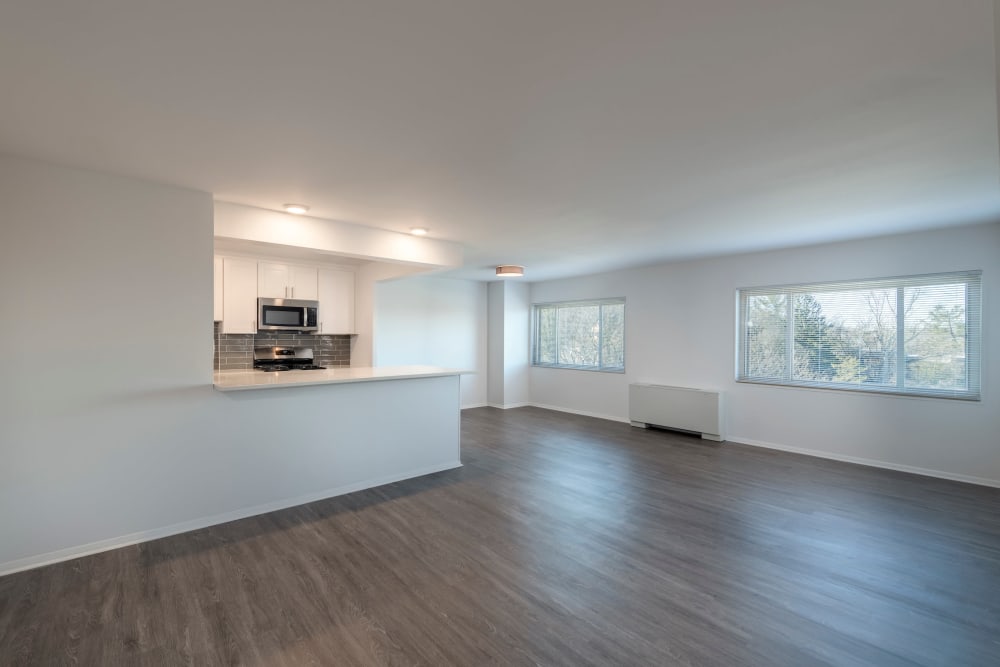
(235, 351)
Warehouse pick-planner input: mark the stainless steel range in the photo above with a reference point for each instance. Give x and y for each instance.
(284, 359)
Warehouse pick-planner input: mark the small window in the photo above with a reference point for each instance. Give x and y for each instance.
(917, 335)
(586, 335)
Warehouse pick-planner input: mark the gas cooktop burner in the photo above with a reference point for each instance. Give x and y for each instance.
(284, 359)
(282, 367)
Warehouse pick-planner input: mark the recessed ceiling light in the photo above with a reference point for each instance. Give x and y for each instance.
(297, 209)
(419, 231)
(510, 271)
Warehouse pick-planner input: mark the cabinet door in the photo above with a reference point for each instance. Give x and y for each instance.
(336, 301)
(272, 281)
(239, 296)
(217, 312)
(302, 280)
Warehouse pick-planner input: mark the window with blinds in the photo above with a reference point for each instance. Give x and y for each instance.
(917, 335)
(585, 335)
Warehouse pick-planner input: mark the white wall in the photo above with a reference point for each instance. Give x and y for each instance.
(115, 277)
(516, 342)
(366, 278)
(509, 343)
(435, 321)
(495, 343)
(110, 430)
(680, 330)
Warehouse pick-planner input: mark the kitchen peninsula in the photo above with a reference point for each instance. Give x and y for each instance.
(315, 434)
(322, 425)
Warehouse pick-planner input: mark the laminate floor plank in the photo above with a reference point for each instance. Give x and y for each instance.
(564, 540)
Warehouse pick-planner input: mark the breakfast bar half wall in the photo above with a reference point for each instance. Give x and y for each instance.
(271, 440)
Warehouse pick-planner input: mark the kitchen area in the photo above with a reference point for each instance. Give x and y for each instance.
(286, 289)
(295, 317)
(264, 303)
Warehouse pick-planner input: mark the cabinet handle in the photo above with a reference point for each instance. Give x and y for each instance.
(293, 291)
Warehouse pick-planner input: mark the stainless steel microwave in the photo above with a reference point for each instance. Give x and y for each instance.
(287, 315)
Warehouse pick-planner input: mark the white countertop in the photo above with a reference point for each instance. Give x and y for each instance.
(254, 379)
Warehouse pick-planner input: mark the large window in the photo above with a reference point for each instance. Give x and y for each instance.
(916, 335)
(588, 335)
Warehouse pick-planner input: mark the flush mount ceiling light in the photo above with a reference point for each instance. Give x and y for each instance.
(510, 271)
(419, 231)
(297, 209)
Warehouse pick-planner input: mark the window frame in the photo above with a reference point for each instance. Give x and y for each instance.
(973, 334)
(600, 368)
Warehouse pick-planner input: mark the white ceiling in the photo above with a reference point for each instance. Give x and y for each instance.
(566, 135)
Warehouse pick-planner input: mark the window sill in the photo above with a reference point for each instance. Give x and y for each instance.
(878, 391)
(618, 371)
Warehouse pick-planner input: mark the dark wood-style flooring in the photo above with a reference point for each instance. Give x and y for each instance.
(563, 541)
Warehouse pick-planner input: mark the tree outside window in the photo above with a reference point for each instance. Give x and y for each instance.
(914, 335)
(587, 335)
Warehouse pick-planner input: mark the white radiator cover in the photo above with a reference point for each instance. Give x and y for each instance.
(680, 408)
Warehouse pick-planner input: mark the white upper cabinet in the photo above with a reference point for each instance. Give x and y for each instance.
(272, 280)
(336, 301)
(239, 296)
(303, 282)
(286, 281)
(217, 312)
(240, 280)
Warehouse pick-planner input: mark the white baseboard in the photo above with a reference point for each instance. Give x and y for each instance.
(874, 463)
(508, 406)
(70, 553)
(474, 405)
(624, 420)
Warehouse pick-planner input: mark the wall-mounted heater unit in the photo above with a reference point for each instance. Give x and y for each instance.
(678, 408)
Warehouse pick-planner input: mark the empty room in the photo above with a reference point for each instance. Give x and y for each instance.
(654, 332)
